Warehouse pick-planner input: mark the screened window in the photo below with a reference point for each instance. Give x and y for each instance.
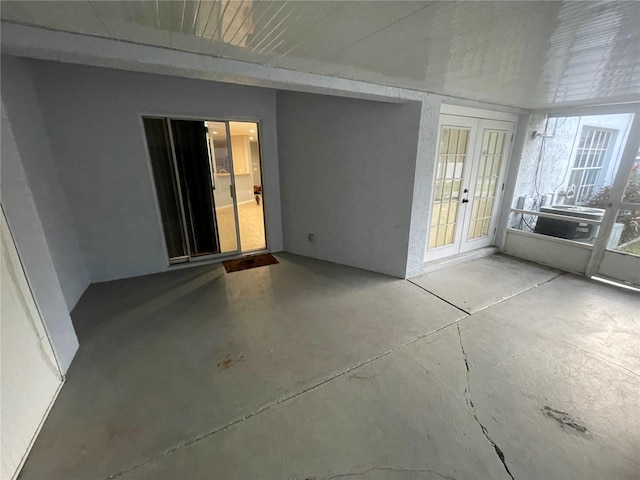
(590, 158)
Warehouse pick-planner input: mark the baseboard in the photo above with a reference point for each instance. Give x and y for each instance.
(253, 200)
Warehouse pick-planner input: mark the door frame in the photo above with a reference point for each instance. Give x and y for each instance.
(477, 117)
(205, 118)
(627, 159)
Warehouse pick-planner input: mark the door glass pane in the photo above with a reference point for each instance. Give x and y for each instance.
(451, 157)
(487, 183)
(245, 148)
(222, 191)
(194, 173)
(625, 234)
(632, 190)
(158, 142)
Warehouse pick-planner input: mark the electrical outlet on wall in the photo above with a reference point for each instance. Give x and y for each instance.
(312, 238)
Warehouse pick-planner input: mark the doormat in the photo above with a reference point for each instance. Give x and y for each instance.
(249, 262)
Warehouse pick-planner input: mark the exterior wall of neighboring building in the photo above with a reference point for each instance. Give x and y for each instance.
(550, 149)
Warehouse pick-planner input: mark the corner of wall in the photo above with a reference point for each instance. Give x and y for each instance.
(336, 154)
(422, 186)
(33, 144)
(26, 227)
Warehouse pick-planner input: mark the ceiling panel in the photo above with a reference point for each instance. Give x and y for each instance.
(520, 53)
(73, 17)
(140, 22)
(350, 23)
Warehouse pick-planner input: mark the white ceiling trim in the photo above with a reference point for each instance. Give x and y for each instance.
(53, 45)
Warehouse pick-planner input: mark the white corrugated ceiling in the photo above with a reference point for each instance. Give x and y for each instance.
(527, 54)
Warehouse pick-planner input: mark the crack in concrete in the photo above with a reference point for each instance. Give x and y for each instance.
(498, 302)
(438, 297)
(467, 393)
(355, 376)
(391, 469)
(273, 403)
(560, 274)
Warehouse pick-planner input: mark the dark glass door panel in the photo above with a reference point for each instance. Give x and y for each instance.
(157, 133)
(192, 158)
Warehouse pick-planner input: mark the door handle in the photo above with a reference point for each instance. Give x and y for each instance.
(465, 200)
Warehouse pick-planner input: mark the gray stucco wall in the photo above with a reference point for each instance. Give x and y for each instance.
(32, 140)
(423, 185)
(93, 116)
(29, 236)
(346, 173)
(551, 172)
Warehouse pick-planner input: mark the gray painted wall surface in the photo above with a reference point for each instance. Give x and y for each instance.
(93, 117)
(346, 173)
(32, 140)
(29, 236)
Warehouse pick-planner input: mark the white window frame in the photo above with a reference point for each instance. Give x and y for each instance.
(584, 153)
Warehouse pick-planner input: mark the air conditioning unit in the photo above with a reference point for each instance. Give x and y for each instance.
(569, 229)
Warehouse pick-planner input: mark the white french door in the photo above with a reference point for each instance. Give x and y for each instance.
(471, 161)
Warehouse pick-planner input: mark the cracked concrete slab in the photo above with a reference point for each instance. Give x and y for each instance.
(555, 410)
(602, 320)
(170, 357)
(469, 399)
(402, 416)
(472, 286)
(329, 372)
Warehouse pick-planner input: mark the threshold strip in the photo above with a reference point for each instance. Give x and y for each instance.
(615, 283)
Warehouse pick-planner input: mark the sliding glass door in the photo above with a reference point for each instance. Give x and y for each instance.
(223, 184)
(209, 187)
(192, 160)
(167, 187)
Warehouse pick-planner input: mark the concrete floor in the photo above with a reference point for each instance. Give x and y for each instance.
(311, 370)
